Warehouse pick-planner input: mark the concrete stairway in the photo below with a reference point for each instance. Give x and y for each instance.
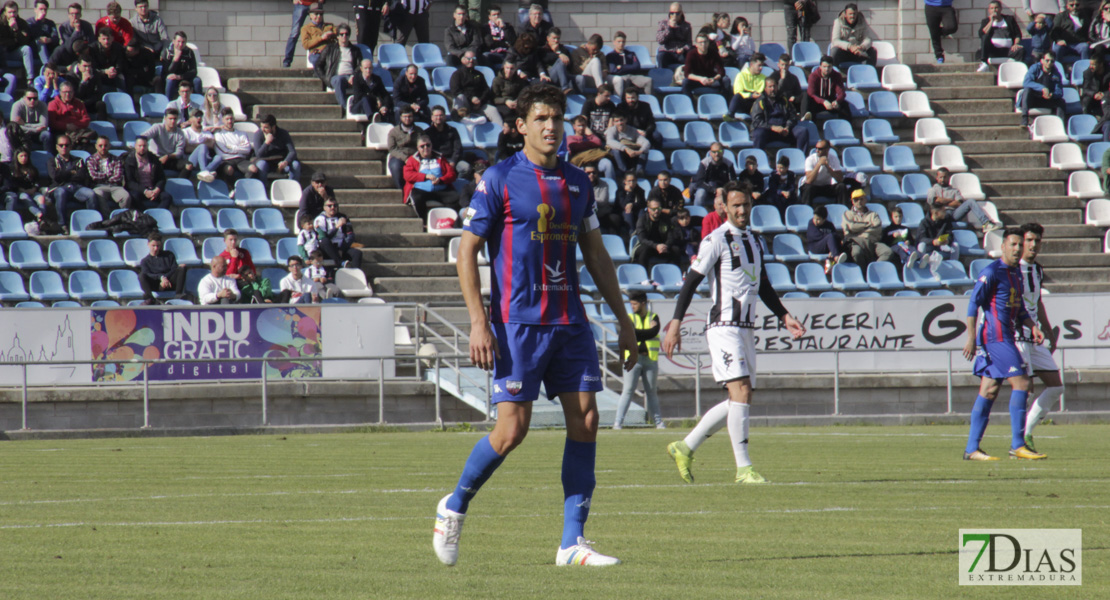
(402, 263)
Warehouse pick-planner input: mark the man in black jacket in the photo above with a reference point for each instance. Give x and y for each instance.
(145, 178)
(410, 90)
(338, 63)
(1069, 32)
(774, 120)
(999, 35)
(108, 60)
(273, 147)
(159, 271)
(15, 40)
(506, 87)
(368, 94)
(498, 37)
(460, 37)
(638, 115)
(445, 139)
(68, 180)
(470, 91)
(713, 172)
(788, 86)
(180, 64)
(653, 232)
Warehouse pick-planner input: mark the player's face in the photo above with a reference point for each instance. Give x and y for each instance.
(738, 207)
(1011, 249)
(1031, 246)
(542, 129)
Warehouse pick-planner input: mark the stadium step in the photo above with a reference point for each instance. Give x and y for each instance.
(323, 101)
(330, 139)
(370, 196)
(425, 297)
(949, 67)
(943, 80)
(356, 168)
(1089, 287)
(972, 107)
(1044, 216)
(296, 111)
(274, 84)
(1004, 161)
(439, 268)
(399, 240)
(417, 285)
(339, 153)
(229, 73)
(941, 94)
(401, 225)
(1034, 174)
(988, 133)
(323, 126)
(1016, 146)
(1053, 259)
(1037, 201)
(1002, 118)
(391, 255)
(1077, 275)
(395, 210)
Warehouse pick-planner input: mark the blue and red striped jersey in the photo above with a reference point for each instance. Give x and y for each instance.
(998, 293)
(531, 218)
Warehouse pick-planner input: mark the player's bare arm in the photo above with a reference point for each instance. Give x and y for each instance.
(483, 346)
(600, 266)
(1042, 316)
(969, 347)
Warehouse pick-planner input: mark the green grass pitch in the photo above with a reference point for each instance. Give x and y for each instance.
(851, 512)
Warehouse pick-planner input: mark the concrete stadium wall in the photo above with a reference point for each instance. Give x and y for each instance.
(252, 33)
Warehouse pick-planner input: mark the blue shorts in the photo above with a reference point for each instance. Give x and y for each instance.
(563, 357)
(998, 360)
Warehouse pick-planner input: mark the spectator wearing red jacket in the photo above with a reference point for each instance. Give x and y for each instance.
(238, 259)
(122, 32)
(428, 179)
(826, 90)
(65, 113)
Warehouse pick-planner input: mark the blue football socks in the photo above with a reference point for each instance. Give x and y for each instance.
(578, 488)
(1017, 418)
(980, 416)
(481, 464)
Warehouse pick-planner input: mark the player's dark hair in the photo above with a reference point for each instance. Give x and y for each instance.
(743, 187)
(1036, 228)
(1012, 231)
(543, 93)
(758, 56)
(154, 237)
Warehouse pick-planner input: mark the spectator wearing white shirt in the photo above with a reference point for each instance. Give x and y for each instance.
(336, 237)
(183, 103)
(318, 273)
(296, 287)
(824, 175)
(200, 147)
(216, 287)
(234, 148)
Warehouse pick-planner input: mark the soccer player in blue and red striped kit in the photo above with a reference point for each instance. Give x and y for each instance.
(533, 209)
(992, 344)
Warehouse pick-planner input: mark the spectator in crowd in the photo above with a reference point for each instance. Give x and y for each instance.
(460, 37)
(337, 64)
(774, 120)
(167, 143)
(149, 28)
(25, 195)
(555, 60)
(1070, 32)
(782, 186)
(180, 64)
(235, 150)
(935, 240)
(584, 147)
(200, 147)
(146, 180)
(639, 115)
(588, 64)
(748, 87)
(212, 110)
(428, 179)
(669, 197)
(139, 67)
(788, 86)
(122, 31)
(683, 239)
(535, 23)
(704, 69)
(368, 15)
(75, 29)
(254, 289)
(823, 238)
(509, 141)
(65, 57)
(506, 87)
(497, 37)
(1092, 91)
(316, 34)
(743, 46)
(675, 38)
(826, 91)
(410, 15)
(445, 138)
(941, 20)
(799, 16)
(713, 172)
(630, 200)
(183, 103)
(753, 177)
(90, 87)
(824, 175)
(944, 194)
(159, 271)
(300, 13)
(863, 233)
(527, 56)
(16, 40)
(628, 146)
(1042, 88)
(105, 172)
(612, 222)
(369, 96)
(335, 236)
(720, 39)
(599, 109)
(313, 199)
(1040, 40)
(68, 115)
(29, 125)
(296, 287)
(401, 144)
(999, 36)
(653, 230)
(273, 148)
(624, 67)
(849, 38)
(47, 84)
(1104, 175)
(306, 235)
(1099, 32)
(67, 180)
(717, 217)
(216, 287)
(44, 32)
(238, 259)
(316, 272)
(410, 90)
(1027, 7)
(900, 238)
(470, 91)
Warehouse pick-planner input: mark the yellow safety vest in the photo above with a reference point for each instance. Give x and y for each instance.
(643, 323)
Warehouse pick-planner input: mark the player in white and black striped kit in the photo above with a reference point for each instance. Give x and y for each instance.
(733, 260)
(1037, 357)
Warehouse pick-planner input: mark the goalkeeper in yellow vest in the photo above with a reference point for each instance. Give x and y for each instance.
(647, 367)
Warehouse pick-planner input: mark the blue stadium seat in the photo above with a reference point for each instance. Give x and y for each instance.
(124, 285)
(839, 133)
(285, 248)
(806, 54)
(132, 130)
(878, 131)
(134, 251)
(485, 136)
(210, 248)
(12, 288)
(182, 191)
(214, 194)
(631, 278)
(698, 134)
(863, 77)
(916, 186)
(978, 265)
(855, 102)
(164, 218)
(11, 225)
(672, 139)
(796, 157)
(832, 294)
(108, 130)
(912, 214)
(387, 77)
(575, 102)
(37, 304)
(26, 255)
(655, 163)
(1077, 69)
(97, 304)
(46, 286)
(733, 135)
(779, 276)
(883, 105)
(868, 294)
(260, 251)
(762, 163)
(836, 215)
(586, 281)
(1071, 100)
(269, 221)
(941, 292)
(3, 261)
(880, 210)
(614, 245)
(857, 159)
(81, 219)
(184, 250)
(678, 107)
(684, 163)
(917, 278)
(952, 274)
(41, 159)
(646, 60)
(197, 221)
(885, 188)
(662, 81)
(178, 302)
(968, 242)
(441, 79)
(899, 159)
(711, 107)
(120, 106)
(153, 106)
(65, 255)
(427, 56)
(464, 134)
(487, 73)
(794, 295)
(798, 217)
(104, 255)
(772, 50)
(810, 277)
(883, 276)
(667, 277)
(250, 193)
(392, 56)
(193, 277)
(788, 247)
(233, 218)
(766, 220)
(1094, 154)
(1080, 128)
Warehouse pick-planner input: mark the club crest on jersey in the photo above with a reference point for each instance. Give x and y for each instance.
(547, 212)
(513, 387)
(735, 247)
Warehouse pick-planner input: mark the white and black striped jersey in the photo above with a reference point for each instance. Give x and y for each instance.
(416, 7)
(732, 259)
(1032, 274)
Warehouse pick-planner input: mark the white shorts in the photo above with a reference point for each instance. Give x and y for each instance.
(1036, 357)
(732, 350)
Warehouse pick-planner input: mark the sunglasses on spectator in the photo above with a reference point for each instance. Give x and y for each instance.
(343, 34)
(63, 145)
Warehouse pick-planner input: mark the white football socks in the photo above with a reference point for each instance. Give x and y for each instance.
(738, 432)
(1041, 406)
(711, 422)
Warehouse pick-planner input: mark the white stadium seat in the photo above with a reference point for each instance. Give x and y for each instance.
(931, 132)
(356, 117)
(1066, 157)
(1011, 75)
(1084, 184)
(442, 212)
(968, 184)
(1098, 212)
(914, 104)
(1049, 129)
(352, 283)
(377, 135)
(992, 243)
(884, 54)
(898, 78)
(950, 157)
